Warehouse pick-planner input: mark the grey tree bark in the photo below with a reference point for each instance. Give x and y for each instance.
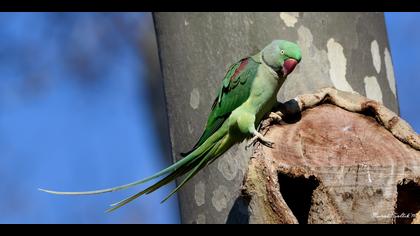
(348, 51)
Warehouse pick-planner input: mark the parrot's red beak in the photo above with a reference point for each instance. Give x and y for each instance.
(288, 66)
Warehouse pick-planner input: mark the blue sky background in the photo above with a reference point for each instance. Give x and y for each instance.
(404, 38)
(74, 114)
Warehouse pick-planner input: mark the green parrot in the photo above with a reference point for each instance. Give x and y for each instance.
(248, 92)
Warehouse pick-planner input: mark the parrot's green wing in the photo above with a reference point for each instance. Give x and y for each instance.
(234, 91)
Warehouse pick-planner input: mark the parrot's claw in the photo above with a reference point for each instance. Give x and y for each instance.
(273, 118)
(251, 142)
(267, 143)
(276, 116)
(259, 137)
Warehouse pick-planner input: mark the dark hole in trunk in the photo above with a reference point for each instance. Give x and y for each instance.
(297, 192)
(408, 202)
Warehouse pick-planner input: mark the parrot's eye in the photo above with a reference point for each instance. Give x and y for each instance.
(282, 51)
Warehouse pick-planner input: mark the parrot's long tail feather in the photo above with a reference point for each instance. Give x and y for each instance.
(181, 171)
(192, 168)
(191, 164)
(169, 169)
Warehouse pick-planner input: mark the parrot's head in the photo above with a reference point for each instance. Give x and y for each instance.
(282, 56)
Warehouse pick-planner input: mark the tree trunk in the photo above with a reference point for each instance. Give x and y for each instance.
(348, 51)
(335, 166)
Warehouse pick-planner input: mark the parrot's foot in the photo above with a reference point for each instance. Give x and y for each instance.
(276, 116)
(259, 137)
(266, 142)
(273, 118)
(251, 142)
